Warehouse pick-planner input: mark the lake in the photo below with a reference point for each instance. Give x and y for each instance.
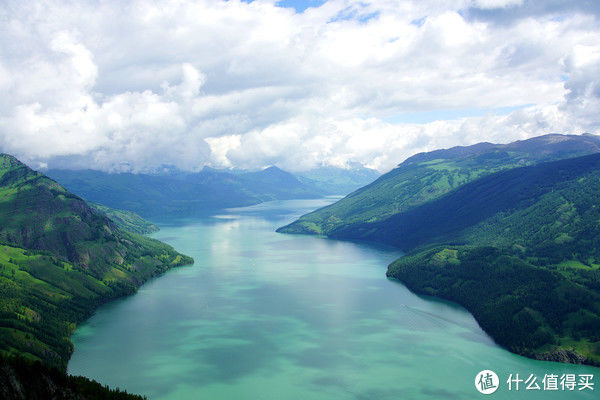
(262, 315)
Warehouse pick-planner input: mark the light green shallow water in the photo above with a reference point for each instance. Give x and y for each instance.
(262, 315)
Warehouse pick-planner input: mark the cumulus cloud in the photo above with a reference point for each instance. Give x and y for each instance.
(237, 84)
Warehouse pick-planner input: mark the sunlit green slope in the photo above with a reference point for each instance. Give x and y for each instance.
(427, 176)
(59, 260)
(126, 220)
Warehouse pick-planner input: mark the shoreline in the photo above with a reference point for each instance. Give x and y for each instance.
(108, 300)
(559, 355)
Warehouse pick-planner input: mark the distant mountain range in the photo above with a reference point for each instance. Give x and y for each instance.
(335, 180)
(511, 232)
(179, 193)
(59, 260)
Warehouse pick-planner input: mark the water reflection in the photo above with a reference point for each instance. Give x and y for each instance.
(262, 315)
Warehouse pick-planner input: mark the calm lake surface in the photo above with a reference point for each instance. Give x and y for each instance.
(262, 315)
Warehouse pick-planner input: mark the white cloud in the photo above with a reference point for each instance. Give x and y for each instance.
(227, 83)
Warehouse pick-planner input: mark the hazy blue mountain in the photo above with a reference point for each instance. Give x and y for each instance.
(184, 193)
(335, 180)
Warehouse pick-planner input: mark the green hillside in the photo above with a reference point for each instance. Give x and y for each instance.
(520, 249)
(126, 220)
(528, 260)
(427, 176)
(501, 209)
(59, 260)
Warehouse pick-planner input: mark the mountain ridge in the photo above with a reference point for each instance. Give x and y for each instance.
(427, 176)
(471, 203)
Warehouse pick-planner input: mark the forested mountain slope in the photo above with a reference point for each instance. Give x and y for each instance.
(126, 220)
(501, 208)
(59, 260)
(427, 176)
(22, 379)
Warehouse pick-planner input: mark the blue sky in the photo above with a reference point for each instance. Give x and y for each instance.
(298, 5)
(422, 117)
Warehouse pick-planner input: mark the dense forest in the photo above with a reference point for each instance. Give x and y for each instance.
(126, 220)
(526, 263)
(549, 312)
(59, 260)
(22, 379)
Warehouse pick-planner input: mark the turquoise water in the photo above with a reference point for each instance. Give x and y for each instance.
(262, 315)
